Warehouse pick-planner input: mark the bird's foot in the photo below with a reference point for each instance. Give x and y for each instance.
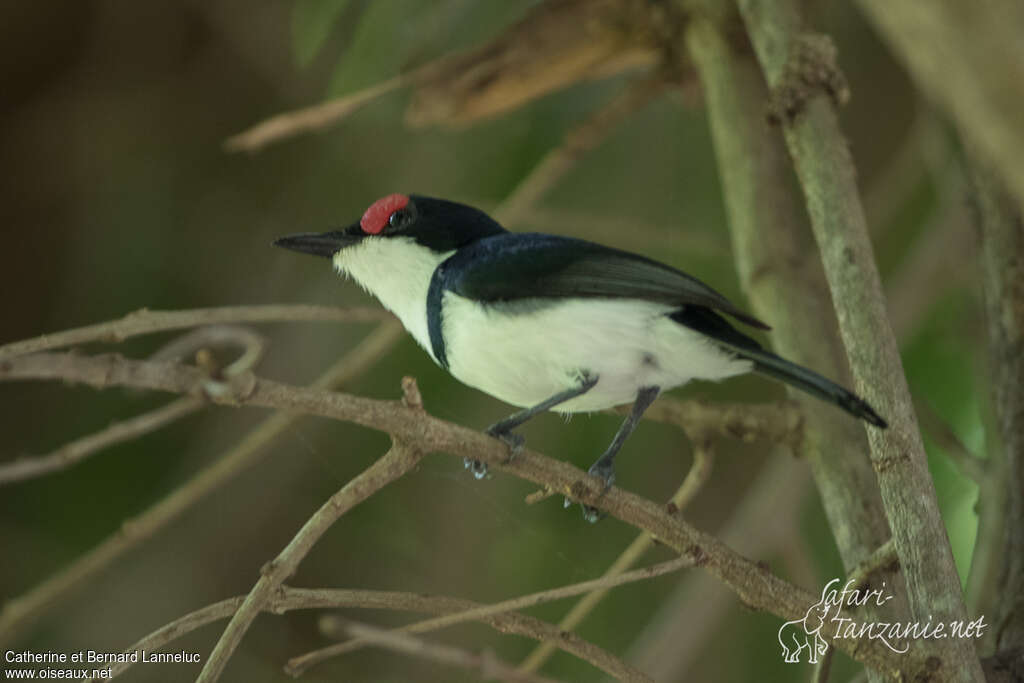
(479, 469)
(604, 470)
(511, 439)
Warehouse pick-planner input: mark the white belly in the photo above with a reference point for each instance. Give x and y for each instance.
(528, 357)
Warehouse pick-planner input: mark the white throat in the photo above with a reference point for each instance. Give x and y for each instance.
(397, 271)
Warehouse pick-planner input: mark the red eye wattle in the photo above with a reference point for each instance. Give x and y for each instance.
(376, 217)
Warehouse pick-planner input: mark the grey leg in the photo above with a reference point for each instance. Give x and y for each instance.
(502, 430)
(605, 465)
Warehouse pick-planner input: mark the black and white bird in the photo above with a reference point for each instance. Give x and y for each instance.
(547, 322)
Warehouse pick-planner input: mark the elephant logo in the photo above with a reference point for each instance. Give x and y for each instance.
(800, 634)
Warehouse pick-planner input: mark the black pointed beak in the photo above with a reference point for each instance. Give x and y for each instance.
(319, 243)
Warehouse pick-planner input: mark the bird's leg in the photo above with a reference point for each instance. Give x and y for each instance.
(502, 429)
(604, 467)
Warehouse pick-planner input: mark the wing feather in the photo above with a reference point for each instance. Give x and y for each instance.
(508, 267)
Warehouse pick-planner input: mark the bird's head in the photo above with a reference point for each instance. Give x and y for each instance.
(437, 225)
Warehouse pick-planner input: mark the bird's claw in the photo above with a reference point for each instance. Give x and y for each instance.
(478, 468)
(604, 471)
(513, 441)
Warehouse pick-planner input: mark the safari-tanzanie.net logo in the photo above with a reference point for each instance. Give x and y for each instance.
(826, 620)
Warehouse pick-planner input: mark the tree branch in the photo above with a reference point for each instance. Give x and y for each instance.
(22, 610)
(399, 459)
(700, 470)
(75, 451)
(145, 321)
(297, 665)
(753, 584)
(1002, 267)
(826, 174)
(489, 666)
(968, 58)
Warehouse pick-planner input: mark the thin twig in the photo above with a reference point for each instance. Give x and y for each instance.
(585, 136)
(287, 599)
(145, 321)
(17, 613)
(221, 380)
(486, 664)
(311, 119)
(297, 665)
(969, 464)
(753, 584)
(75, 451)
(780, 422)
(399, 459)
(700, 471)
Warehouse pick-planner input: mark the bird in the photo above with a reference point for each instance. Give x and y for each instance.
(548, 322)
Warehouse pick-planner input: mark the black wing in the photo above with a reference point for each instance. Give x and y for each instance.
(515, 266)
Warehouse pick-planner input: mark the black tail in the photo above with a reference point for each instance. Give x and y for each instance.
(708, 322)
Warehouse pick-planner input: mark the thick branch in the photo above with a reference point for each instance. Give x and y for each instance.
(1002, 269)
(826, 173)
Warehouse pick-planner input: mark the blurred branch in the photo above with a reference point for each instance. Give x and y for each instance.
(1002, 269)
(74, 452)
(312, 119)
(780, 422)
(700, 470)
(145, 321)
(17, 613)
(668, 647)
(399, 459)
(795, 62)
(298, 665)
(554, 46)
(969, 59)
(970, 465)
(586, 135)
(940, 261)
(488, 666)
(286, 599)
(753, 584)
(785, 283)
(252, 345)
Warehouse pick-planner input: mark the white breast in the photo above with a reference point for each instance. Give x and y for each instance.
(525, 354)
(397, 271)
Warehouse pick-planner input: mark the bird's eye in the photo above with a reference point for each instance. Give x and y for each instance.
(398, 219)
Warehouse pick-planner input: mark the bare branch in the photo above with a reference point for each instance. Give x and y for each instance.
(486, 664)
(401, 458)
(145, 321)
(20, 611)
(753, 584)
(586, 135)
(979, 88)
(74, 452)
(288, 599)
(700, 470)
(299, 664)
(311, 119)
(781, 422)
(826, 173)
(1001, 220)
